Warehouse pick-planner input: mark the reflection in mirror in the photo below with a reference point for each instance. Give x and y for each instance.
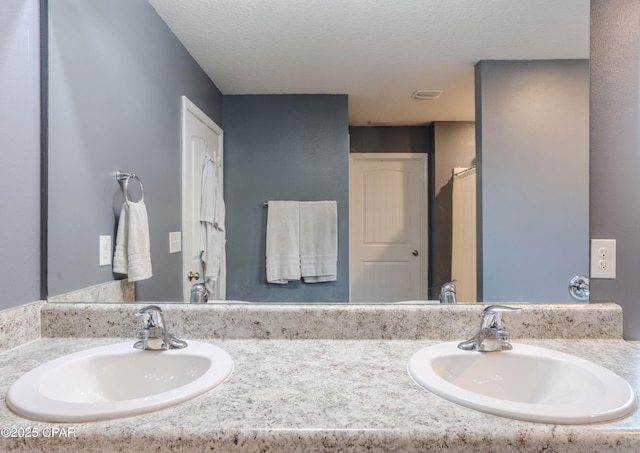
(515, 105)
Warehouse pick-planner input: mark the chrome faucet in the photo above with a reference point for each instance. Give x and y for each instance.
(492, 336)
(153, 336)
(448, 293)
(199, 294)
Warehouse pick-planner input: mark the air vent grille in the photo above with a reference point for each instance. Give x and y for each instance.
(426, 95)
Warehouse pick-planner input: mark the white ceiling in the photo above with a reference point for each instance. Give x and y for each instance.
(376, 51)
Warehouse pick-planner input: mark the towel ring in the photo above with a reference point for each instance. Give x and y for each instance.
(125, 177)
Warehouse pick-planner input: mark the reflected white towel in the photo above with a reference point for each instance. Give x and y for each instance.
(120, 261)
(212, 235)
(283, 250)
(318, 241)
(132, 255)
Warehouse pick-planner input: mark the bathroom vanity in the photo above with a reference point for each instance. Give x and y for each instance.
(319, 378)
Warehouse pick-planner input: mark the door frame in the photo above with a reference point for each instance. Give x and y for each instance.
(423, 216)
(187, 106)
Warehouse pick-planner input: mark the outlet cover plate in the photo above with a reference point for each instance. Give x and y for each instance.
(603, 258)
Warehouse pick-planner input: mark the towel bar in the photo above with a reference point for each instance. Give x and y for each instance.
(266, 204)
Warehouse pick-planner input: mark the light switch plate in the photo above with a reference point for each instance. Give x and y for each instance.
(105, 251)
(603, 258)
(175, 242)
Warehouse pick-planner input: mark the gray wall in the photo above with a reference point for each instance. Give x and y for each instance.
(390, 139)
(615, 149)
(116, 75)
(454, 146)
(282, 147)
(533, 143)
(19, 152)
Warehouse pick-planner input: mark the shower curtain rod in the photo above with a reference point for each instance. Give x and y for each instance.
(464, 171)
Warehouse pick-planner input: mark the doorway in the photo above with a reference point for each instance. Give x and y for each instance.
(388, 226)
(201, 139)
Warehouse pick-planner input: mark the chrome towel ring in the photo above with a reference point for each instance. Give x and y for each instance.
(124, 178)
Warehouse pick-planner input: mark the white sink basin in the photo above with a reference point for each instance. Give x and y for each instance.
(117, 381)
(527, 383)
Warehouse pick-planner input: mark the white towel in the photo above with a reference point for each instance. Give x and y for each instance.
(283, 249)
(212, 235)
(120, 261)
(132, 255)
(319, 241)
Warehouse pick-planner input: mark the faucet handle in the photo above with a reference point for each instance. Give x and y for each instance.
(492, 316)
(500, 309)
(152, 316)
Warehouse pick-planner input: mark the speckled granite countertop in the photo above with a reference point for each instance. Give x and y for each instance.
(322, 395)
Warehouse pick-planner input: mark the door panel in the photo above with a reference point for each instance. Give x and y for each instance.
(389, 281)
(386, 219)
(388, 227)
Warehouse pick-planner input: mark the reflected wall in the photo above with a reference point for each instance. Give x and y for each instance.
(282, 147)
(532, 129)
(116, 74)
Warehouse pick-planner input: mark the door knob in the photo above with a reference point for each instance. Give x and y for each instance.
(192, 275)
(415, 253)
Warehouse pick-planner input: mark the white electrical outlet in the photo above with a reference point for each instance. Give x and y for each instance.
(175, 242)
(603, 258)
(105, 250)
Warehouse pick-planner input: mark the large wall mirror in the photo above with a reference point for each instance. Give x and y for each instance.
(299, 91)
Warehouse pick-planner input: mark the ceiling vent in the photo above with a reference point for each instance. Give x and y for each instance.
(380, 123)
(426, 95)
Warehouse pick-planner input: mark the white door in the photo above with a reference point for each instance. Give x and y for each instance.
(200, 135)
(388, 206)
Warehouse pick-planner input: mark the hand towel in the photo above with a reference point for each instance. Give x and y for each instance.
(319, 241)
(283, 248)
(132, 255)
(120, 261)
(212, 234)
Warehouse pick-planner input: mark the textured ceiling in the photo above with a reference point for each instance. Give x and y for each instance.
(376, 51)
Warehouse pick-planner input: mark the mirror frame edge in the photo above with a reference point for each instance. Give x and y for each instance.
(44, 145)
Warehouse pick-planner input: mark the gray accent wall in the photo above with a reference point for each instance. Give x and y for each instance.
(282, 147)
(533, 148)
(116, 75)
(454, 146)
(19, 152)
(615, 150)
(390, 139)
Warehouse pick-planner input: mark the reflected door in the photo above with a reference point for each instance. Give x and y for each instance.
(200, 135)
(388, 206)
